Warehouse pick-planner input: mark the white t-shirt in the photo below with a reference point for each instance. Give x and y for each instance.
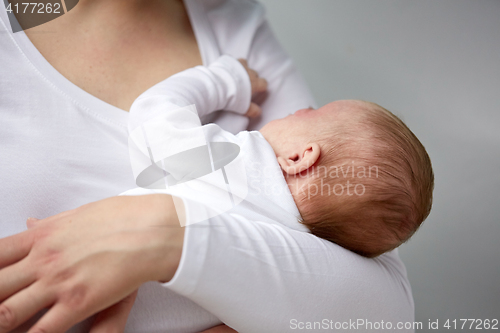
(61, 147)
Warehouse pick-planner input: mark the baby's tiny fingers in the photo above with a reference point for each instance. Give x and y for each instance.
(253, 111)
(243, 62)
(261, 85)
(252, 74)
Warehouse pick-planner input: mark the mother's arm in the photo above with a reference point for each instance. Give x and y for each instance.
(252, 275)
(255, 276)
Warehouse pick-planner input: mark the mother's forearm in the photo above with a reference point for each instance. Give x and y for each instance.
(173, 237)
(256, 276)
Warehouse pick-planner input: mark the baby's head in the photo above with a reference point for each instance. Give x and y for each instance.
(358, 175)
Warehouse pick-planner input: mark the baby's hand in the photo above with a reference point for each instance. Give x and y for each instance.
(259, 85)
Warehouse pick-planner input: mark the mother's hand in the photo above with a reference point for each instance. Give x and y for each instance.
(82, 261)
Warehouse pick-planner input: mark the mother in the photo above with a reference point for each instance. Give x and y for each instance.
(64, 87)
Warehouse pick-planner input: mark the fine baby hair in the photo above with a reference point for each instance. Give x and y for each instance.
(372, 186)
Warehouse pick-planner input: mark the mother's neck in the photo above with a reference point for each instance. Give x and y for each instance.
(114, 18)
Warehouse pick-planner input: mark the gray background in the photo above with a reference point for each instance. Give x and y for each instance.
(436, 64)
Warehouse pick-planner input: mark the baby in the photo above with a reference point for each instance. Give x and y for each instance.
(349, 172)
(359, 176)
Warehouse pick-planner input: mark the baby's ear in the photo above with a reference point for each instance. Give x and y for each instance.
(301, 160)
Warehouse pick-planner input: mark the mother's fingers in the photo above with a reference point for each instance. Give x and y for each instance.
(15, 247)
(31, 222)
(114, 318)
(14, 278)
(66, 254)
(22, 306)
(58, 319)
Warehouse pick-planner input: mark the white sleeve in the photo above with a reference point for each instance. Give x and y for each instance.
(222, 85)
(260, 277)
(165, 132)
